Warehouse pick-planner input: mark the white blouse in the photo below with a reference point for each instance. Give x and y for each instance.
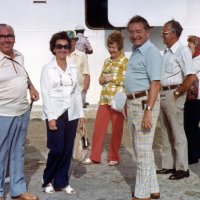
(60, 92)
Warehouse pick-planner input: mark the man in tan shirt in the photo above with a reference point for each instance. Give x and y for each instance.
(80, 60)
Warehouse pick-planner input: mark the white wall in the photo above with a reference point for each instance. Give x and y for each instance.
(34, 24)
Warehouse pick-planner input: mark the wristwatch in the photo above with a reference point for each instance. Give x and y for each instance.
(148, 108)
(176, 93)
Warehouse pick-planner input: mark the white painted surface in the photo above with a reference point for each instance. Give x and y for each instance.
(157, 12)
(34, 25)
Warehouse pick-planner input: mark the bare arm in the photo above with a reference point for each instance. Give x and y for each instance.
(34, 95)
(152, 96)
(86, 82)
(185, 85)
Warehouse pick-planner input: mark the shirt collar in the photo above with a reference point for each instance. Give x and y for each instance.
(119, 57)
(143, 48)
(174, 47)
(16, 53)
(76, 52)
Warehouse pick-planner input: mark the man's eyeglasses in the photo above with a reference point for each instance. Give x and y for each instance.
(167, 32)
(9, 37)
(60, 46)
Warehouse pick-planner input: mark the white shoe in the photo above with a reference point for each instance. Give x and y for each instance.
(7, 179)
(69, 190)
(49, 189)
(113, 163)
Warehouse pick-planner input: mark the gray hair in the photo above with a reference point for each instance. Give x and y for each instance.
(8, 26)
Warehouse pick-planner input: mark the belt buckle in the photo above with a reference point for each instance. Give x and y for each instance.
(130, 96)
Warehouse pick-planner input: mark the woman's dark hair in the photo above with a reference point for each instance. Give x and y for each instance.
(175, 27)
(116, 37)
(59, 36)
(139, 19)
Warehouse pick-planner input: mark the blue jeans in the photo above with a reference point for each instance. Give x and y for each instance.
(13, 131)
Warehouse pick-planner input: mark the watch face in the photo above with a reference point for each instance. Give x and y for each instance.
(148, 108)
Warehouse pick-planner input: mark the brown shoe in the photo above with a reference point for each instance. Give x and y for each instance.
(27, 196)
(135, 198)
(153, 195)
(165, 171)
(179, 175)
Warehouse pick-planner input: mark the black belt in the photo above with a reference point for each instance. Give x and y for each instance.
(170, 87)
(137, 95)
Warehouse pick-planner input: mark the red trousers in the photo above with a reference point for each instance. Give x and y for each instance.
(104, 115)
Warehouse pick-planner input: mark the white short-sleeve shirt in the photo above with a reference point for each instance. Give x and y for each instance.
(177, 64)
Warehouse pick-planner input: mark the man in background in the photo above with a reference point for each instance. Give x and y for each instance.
(177, 75)
(83, 43)
(80, 60)
(14, 115)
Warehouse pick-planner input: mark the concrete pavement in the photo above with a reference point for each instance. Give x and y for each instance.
(100, 181)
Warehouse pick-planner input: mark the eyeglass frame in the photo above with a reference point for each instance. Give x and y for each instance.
(9, 37)
(167, 32)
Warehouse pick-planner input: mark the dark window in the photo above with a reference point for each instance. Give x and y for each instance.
(96, 12)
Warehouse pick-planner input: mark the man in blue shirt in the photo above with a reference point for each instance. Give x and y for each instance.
(142, 85)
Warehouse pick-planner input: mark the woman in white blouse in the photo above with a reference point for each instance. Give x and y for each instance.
(62, 109)
(192, 107)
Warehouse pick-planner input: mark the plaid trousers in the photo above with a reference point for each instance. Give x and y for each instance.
(146, 178)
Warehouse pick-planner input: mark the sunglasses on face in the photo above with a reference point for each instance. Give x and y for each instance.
(60, 46)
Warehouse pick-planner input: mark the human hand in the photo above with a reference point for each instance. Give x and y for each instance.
(176, 95)
(34, 95)
(81, 121)
(147, 120)
(52, 125)
(108, 78)
(124, 111)
(102, 80)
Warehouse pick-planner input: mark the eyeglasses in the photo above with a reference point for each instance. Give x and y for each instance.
(60, 46)
(166, 32)
(9, 37)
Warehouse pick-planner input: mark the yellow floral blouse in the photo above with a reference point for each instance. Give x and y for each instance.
(116, 69)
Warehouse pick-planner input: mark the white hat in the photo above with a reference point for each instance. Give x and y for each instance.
(79, 27)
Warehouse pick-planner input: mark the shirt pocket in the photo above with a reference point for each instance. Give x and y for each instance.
(170, 68)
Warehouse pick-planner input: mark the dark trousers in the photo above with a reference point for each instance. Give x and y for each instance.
(60, 144)
(192, 129)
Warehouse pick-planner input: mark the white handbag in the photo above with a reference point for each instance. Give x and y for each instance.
(118, 101)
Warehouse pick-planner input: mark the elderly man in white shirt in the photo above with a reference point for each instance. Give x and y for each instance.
(14, 114)
(177, 76)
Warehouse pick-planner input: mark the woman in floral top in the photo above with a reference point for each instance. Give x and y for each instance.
(111, 80)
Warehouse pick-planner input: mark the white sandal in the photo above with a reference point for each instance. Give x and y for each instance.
(87, 161)
(69, 190)
(49, 189)
(113, 163)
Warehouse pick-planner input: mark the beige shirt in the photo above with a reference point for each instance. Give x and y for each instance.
(13, 85)
(80, 60)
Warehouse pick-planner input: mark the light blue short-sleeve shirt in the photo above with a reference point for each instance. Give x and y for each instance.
(143, 67)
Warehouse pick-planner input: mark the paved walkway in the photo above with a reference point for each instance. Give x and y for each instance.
(100, 181)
